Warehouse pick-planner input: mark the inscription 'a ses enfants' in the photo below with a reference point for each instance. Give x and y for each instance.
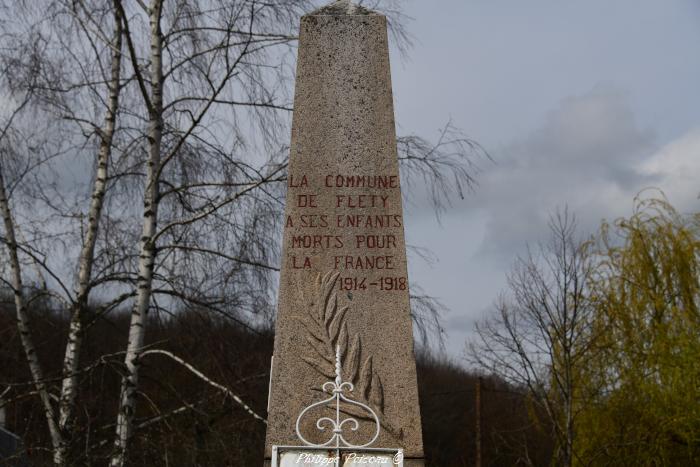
(326, 203)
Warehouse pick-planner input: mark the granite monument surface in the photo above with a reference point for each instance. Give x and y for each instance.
(343, 284)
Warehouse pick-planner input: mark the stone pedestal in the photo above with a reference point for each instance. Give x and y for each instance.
(344, 280)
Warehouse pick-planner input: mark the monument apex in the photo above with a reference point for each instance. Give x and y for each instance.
(342, 7)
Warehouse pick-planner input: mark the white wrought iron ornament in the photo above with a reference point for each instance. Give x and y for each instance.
(337, 388)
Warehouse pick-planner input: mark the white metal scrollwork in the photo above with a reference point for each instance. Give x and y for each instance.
(337, 388)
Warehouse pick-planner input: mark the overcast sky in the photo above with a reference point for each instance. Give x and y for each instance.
(580, 103)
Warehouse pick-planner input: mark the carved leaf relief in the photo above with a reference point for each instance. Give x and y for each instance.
(327, 328)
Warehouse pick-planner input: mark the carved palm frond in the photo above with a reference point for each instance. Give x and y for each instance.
(327, 328)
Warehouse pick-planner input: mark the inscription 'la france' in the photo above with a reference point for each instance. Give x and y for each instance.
(348, 206)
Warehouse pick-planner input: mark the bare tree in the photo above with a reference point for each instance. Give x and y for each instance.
(540, 336)
(217, 47)
(47, 91)
(22, 151)
(442, 169)
(15, 283)
(71, 363)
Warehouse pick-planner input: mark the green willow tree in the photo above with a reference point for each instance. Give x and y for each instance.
(647, 373)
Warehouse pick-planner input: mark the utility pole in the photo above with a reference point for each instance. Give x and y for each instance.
(478, 422)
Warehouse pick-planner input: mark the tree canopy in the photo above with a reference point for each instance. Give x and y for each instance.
(647, 375)
(626, 390)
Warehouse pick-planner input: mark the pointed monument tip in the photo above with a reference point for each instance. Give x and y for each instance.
(342, 7)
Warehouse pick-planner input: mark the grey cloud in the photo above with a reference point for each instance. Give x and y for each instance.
(502, 72)
(587, 155)
(461, 323)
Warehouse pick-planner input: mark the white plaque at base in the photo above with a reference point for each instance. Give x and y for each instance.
(291, 456)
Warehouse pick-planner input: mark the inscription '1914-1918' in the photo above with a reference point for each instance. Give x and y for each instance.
(357, 252)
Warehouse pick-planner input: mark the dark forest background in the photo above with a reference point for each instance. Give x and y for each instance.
(187, 422)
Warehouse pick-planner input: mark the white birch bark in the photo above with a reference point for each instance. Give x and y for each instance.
(23, 322)
(207, 380)
(137, 327)
(71, 361)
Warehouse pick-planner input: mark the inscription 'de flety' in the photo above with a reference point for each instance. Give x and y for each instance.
(376, 249)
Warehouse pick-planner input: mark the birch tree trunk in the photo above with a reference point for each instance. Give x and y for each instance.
(147, 253)
(71, 362)
(23, 322)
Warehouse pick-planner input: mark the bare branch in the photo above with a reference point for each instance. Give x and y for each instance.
(201, 376)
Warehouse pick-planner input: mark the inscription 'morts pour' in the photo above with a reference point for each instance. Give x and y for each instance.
(375, 241)
(317, 241)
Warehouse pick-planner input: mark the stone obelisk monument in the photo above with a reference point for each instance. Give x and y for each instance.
(344, 284)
